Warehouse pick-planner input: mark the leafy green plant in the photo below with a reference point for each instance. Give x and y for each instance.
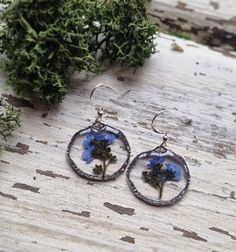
(9, 119)
(44, 39)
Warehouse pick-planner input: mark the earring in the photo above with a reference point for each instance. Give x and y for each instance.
(158, 177)
(97, 145)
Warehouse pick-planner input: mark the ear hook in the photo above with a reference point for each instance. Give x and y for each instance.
(165, 137)
(100, 110)
(99, 85)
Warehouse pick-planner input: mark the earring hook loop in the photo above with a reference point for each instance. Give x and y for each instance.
(99, 85)
(165, 137)
(100, 111)
(153, 121)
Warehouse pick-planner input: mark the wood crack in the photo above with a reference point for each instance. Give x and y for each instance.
(190, 234)
(83, 213)
(218, 230)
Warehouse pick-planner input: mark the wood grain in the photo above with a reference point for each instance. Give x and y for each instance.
(45, 206)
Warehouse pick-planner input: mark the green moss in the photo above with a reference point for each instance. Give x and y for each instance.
(9, 119)
(43, 39)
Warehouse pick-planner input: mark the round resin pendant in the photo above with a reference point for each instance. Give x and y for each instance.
(99, 152)
(158, 177)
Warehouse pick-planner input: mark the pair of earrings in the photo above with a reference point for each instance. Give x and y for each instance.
(147, 174)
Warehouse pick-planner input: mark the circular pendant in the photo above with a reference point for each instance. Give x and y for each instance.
(99, 152)
(159, 178)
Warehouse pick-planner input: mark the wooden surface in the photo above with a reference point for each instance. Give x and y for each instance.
(209, 22)
(45, 206)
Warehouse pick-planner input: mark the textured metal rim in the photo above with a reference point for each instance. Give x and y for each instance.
(159, 203)
(85, 175)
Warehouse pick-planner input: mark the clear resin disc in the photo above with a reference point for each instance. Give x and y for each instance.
(99, 152)
(159, 178)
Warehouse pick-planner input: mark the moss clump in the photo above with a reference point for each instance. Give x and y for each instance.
(9, 119)
(44, 39)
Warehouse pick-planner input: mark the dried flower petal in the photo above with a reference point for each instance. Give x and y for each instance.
(175, 169)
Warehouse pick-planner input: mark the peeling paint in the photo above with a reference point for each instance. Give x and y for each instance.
(42, 142)
(4, 162)
(83, 213)
(120, 209)
(113, 113)
(46, 124)
(183, 6)
(90, 183)
(128, 239)
(232, 20)
(115, 118)
(215, 5)
(8, 196)
(144, 229)
(218, 230)
(193, 161)
(144, 125)
(187, 122)
(120, 78)
(26, 187)
(206, 29)
(195, 140)
(232, 195)
(222, 149)
(51, 174)
(190, 234)
(20, 148)
(44, 115)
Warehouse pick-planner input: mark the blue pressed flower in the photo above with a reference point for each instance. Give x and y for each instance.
(87, 156)
(89, 146)
(87, 142)
(106, 137)
(155, 161)
(175, 169)
(110, 138)
(100, 137)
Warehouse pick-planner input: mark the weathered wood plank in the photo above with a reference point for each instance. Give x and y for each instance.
(44, 205)
(209, 22)
(221, 9)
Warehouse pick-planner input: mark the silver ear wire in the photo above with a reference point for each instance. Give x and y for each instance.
(99, 85)
(100, 111)
(152, 124)
(165, 137)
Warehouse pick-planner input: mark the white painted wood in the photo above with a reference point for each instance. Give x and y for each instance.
(63, 212)
(209, 22)
(222, 9)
